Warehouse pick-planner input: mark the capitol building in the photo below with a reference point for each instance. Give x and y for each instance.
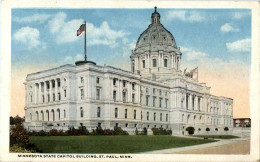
(154, 93)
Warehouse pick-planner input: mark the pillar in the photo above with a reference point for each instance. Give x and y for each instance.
(45, 92)
(35, 93)
(40, 92)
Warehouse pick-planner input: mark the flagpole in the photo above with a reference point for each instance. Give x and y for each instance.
(85, 43)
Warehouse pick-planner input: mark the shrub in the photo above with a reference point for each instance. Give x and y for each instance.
(161, 131)
(18, 149)
(19, 136)
(11, 120)
(226, 129)
(207, 129)
(109, 132)
(190, 130)
(144, 131)
(119, 131)
(54, 132)
(136, 131)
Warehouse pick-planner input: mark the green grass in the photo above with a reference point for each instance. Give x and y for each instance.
(110, 144)
(217, 136)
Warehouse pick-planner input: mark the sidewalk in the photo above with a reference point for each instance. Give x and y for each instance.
(223, 146)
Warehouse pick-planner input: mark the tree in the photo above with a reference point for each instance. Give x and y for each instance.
(11, 120)
(190, 130)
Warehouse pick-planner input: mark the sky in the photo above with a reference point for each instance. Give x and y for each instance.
(218, 41)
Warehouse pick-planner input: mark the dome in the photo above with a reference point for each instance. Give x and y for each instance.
(156, 34)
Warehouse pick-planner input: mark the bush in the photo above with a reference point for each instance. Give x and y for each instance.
(190, 130)
(136, 131)
(207, 129)
(109, 132)
(119, 131)
(226, 129)
(144, 131)
(18, 149)
(161, 131)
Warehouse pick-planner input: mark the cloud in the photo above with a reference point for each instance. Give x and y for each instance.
(228, 28)
(240, 15)
(186, 16)
(192, 54)
(70, 59)
(28, 36)
(66, 31)
(239, 46)
(41, 18)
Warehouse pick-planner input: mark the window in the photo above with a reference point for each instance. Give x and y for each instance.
(153, 90)
(199, 104)
(124, 96)
(53, 84)
(81, 112)
(31, 116)
(187, 101)
(143, 63)
(147, 90)
(58, 83)
(114, 81)
(31, 98)
(147, 116)
(154, 98)
(114, 95)
(81, 80)
(165, 62)
(154, 63)
(154, 116)
(53, 96)
(37, 115)
(160, 92)
(99, 125)
(141, 115)
(82, 93)
(166, 117)
(126, 124)
(160, 103)
(166, 103)
(65, 93)
(133, 98)
(147, 100)
(133, 86)
(161, 117)
(116, 112)
(98, 112)
(64, 111)
(98, 94)
(165, 93)
(48, 98)
(154, 126)
(134, 114)
(43, 98)
(135, 125)
(116, 124)
(124, 83)
(125, 113)
(59, 96)
(98, 80)
(192, 102)
(58, 114)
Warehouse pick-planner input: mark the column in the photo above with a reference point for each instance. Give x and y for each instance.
(159, 60)
(118, 91)
(179, 62)
(172, 60)
(137, 93)
(184, 101)
(148, 61)
(45, 91)
(40, 92)
(112, 88)
(50, 91)
(56, 90)
(35, 93)
(129, 92)
(190, 102)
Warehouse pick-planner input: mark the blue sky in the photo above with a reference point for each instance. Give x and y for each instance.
(218, 41)
(40, 35)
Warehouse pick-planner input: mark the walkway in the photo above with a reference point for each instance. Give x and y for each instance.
(224, 146)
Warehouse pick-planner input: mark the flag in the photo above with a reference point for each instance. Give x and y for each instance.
(194, 73)
(81, 29)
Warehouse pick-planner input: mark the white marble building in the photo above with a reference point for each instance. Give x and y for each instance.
(156, 93)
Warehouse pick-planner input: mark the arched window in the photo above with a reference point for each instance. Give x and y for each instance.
(147, 116)
(31, 116)
(182, 118)
(42, 114)
(154, 116)
(64, 111)
(166, 117)
(53, 115)
(116, 112)
(98, 112)
(58, 111)
(37, 115)
(154, 62)
(160, 116)
(48, 115)
(81, 112)
(134, 114)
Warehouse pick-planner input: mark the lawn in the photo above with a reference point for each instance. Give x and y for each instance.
(110, 144)
(217, 136)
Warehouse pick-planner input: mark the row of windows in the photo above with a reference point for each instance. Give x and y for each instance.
(154, 102)
(49, 97)
(154, 91)
(42, 118)
(165, 63)
(82, 94)
(125, 114)
(97, 80)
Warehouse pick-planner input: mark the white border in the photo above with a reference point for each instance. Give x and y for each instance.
(7, 5)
